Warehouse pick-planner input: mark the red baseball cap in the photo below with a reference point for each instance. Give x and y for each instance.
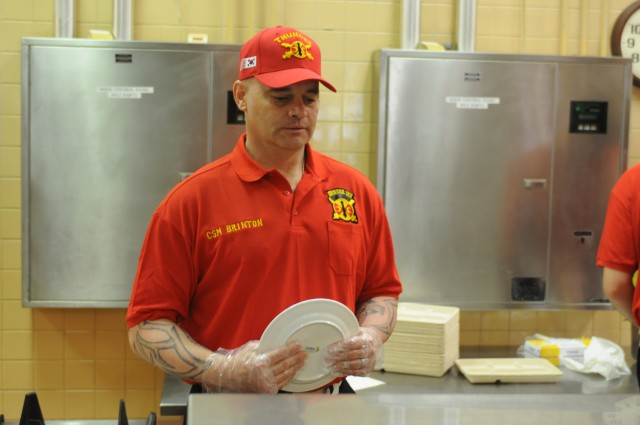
(281, 56)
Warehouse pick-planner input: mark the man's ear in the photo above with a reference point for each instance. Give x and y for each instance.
(239, 93)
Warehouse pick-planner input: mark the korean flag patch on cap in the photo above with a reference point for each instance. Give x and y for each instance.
(249, 62)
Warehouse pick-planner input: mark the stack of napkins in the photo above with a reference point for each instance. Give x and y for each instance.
(426, 340)
(542, 349)
(554, 349)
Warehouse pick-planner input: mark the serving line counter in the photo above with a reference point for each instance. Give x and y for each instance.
(413, 409)
(85, 422)
(452, 385)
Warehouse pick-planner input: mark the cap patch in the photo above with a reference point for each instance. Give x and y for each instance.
(250, 62)
(298, 48)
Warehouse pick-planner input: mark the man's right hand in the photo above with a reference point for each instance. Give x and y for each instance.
(244, 369)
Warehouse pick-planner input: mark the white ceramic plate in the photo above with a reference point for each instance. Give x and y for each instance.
(316, 324)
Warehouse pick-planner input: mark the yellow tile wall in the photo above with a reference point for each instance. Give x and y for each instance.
(78, 361)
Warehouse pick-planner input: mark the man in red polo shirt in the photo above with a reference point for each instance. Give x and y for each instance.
(271, 224)
(619, 249)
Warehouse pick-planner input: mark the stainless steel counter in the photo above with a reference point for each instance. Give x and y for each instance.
(175, 392)
(85, 422)
(413, 409)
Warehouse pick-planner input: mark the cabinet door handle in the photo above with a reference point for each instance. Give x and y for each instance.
(535, 183)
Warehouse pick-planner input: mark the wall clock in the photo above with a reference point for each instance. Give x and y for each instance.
(625, 38)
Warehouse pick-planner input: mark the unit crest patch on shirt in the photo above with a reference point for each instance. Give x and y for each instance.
(344, 205)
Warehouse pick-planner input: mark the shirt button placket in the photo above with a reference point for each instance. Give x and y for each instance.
(294, 212)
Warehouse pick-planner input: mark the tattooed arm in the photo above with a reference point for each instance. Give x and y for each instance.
(379, 313)
(361, 354)
(165, 345)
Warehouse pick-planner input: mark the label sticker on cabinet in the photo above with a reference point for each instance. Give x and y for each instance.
(472, 102)
(125, 92)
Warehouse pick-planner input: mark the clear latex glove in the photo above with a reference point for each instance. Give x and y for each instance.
(358, 355)
(247, 370)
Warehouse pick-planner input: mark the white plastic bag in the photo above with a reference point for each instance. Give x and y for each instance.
(602, 357)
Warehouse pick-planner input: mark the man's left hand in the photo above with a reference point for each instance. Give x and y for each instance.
(357, 356)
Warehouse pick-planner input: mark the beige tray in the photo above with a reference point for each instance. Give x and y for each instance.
(511, 370)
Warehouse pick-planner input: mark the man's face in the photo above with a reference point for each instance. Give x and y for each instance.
(284, 117)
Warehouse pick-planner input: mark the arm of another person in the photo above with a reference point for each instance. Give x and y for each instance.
(618, 288)
(167, 346)
(361, 354)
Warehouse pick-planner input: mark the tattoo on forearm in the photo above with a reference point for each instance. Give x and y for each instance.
(385, 308)
(165, 346)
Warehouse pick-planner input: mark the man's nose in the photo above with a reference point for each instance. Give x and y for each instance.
(297, 108)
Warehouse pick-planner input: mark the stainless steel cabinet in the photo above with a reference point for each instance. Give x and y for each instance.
(495, 172)
(108, 129)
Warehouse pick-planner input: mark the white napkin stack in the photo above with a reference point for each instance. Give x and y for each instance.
(425, 340)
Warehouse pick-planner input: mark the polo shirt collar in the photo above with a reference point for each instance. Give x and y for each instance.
(250, 171)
